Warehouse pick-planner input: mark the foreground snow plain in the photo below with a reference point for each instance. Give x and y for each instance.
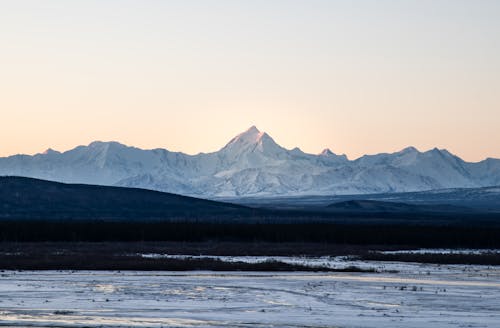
(417, 295)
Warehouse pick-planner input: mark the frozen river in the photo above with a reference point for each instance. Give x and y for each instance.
(418, 295)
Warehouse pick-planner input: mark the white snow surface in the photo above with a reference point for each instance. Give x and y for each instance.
(253, 164)
(419, 295)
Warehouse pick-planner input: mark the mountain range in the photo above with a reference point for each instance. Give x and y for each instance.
(253, 164)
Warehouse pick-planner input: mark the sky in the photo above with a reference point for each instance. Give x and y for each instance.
(359, 77)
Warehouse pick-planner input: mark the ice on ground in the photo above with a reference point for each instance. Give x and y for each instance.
(418, 295)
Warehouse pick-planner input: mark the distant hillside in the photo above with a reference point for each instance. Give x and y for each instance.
(27, 198)
(485, 199)
(374, 206)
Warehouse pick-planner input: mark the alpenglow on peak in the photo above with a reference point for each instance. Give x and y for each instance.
(252, 136)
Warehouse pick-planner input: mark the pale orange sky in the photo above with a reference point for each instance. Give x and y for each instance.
(357, 77)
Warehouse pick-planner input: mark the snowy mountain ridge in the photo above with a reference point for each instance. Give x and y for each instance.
(253, 164)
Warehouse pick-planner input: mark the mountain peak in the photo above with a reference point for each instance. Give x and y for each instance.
(50, 151)
(409, 150)
(250, 136)
(443, 152)
(253, 129)
(253, 141)
(106, 144)
(326, 152)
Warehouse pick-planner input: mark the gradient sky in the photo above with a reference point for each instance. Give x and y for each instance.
(355, 76)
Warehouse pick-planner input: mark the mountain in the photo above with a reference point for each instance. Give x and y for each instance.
(27, 198)
(253, 164)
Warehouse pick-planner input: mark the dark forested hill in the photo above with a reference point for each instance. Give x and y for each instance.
(38, 210)
(27, 198)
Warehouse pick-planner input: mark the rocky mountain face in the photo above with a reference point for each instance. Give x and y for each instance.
(253, 164)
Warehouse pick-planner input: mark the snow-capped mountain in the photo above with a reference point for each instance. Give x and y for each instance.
(253, 164)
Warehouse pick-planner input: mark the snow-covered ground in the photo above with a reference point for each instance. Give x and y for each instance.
(418, 295)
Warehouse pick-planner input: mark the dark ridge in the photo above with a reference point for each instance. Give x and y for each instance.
(28, 198)
(482, 199)
(384, 206)
(372, 205)
(40, 211)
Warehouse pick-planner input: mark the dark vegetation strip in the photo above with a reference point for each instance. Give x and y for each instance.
(126, 255)
(212, 248)
(360, 234)
(437, 258)
(124, 262)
